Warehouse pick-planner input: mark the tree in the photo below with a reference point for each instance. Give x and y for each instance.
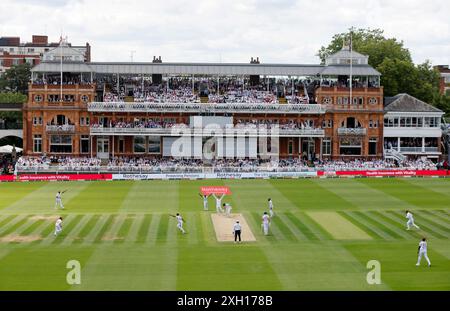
(369, 42)
(16, 78)
(388, 55)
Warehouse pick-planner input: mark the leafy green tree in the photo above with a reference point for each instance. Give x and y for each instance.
(16, 78)
(388, 55)
(370, 42)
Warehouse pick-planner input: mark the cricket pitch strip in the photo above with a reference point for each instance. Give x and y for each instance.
(223, 225)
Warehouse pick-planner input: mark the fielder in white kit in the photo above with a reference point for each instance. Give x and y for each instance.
(205, 201)
(422, 251)
(270, 207)
(58, 200)
(410, 221)
(265, 223)
(180, 221)
(218, 203)
(58, 226)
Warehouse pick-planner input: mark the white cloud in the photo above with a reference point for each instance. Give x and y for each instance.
(285, 31)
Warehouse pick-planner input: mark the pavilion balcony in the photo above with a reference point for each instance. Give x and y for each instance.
(352, 131)
(65, 128)
(220, 132)
(206, 107)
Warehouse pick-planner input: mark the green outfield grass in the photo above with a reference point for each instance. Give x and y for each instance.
(324, 233)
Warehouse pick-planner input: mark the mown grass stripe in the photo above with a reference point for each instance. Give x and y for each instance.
(305, 231)
(143, 228)
(283, 228)
(152, 233)
(375, 223)
(313, 226)
(12, 223)
(423, 227)
(105, 228)
(36, 224)
(74, 235)
(161, 234)
(199, 231)
(88, 227)
(191, 228)
(23, 221)
(364, 225)
(124, 229)
(392, 225)
(110, 235)
(133, 232)
(441, 214)
(96, 230)
(43, 230)
(292, 227)
(5, 219)
(436, 221)
(445, 212)
(25, 224)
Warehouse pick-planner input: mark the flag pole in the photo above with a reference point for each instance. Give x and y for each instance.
(351, 68)
(61, 68)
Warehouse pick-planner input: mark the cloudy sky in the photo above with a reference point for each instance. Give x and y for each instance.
(278, 31)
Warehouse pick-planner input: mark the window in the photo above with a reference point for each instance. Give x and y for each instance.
(373, 101)
(290, 147)
(84, 144)
(37, 143)
(154, 144)
(373, 123)
(61, 144)
(37, 120)
(326, 146)
(139, 144)
(84, 98)
(372, 146)
(327, 100)
(84, 121)
(38, 98)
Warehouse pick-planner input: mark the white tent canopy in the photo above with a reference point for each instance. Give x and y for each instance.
(9, 149)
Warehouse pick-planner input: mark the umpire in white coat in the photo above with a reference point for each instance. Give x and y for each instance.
(237, 231)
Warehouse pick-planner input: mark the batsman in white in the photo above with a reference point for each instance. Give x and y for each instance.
(410, 221)
(271, 214)
(180, 222)
(58, 199)
(422, 251)
(58, 226)
(218, 202)
(227, 207)
(205, 201)
(265, 223)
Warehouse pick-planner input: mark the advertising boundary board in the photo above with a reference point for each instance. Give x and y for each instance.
(226, 175)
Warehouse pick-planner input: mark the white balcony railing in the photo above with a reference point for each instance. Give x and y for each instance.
(352, 131)
(219, 132)
(66, 128)
(206, 107)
